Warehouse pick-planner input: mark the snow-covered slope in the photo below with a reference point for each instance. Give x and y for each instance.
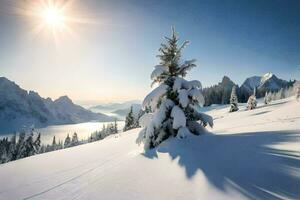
(248, 155)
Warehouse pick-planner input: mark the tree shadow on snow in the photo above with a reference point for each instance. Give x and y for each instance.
(246, 162)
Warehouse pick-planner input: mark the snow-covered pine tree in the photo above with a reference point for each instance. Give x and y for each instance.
(12, 147)
(252, 103)
(74, 141)
(129, 120)
(297, 88)
(266, 98)
(280, 94)
(102, 132)
(4, 150)
(29, 146)
(174, 103)
(54, 145)
(233, 100)
(115, 127)
(60, 145)
(37, 143)
(67, 141)
(21, 147)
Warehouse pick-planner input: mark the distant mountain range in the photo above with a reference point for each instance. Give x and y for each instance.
(19, 108)
(115, 106)
(267, 82)
(123, 112)
(119, 110)
(216, 94)
(220, 93)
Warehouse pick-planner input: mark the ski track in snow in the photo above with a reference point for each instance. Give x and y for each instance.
(117, 162)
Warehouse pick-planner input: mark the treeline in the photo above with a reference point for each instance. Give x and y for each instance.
(281, 94)
(29, 143)
(132, 121)
(110, 129)
(221, 93)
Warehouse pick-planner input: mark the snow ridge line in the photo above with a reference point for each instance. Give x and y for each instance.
(78, 176)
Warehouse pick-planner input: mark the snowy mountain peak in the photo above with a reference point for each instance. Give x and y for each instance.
(252, 82)
(267, 82)
(64, 99)
(266, 77)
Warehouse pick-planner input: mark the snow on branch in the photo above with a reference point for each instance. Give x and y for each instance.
(179, 119)
(186, 66)
(197, 95)
(151, 100)
(158, 71)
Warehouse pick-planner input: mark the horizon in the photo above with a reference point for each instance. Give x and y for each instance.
(110, 42)
(94, 102)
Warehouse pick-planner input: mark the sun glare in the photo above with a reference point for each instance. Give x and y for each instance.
(56, 19)
(53, 16)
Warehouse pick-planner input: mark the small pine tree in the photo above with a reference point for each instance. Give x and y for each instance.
(281, 94)
(111, 128)
(37, 144)
(297, 88)
(29, 146)
(115, 127)
(74, 141)
(233, 100)
(266, 98)
(54, 145)
(67, 142)
(102, 132)
(13, 147)
(129, 121)
(252, 103)
(59, 145)
(20, 148)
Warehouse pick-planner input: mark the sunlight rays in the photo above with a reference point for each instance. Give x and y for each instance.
(57, 19)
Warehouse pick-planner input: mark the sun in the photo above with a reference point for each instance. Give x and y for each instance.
(54, 19)
(53, 16)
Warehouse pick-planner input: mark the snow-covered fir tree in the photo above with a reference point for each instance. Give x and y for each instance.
(13, 147)
(129, 120)
(21, 148)
(115, 127)
(174, 102)
(29, 146)
(74, 141)
(37, 143)
(67, 142)
(297, 89)
(233, 100)
(266, 98)
(54, 145)
(252, 103)
(60, 145)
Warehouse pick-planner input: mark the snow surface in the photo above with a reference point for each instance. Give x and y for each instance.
(248, 155)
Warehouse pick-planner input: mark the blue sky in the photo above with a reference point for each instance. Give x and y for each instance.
(111, 59)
